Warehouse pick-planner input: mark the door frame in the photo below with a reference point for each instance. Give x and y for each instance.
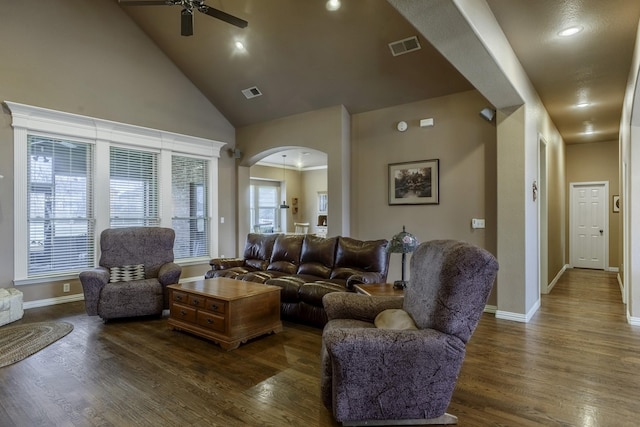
(573, 186)
(543, 218)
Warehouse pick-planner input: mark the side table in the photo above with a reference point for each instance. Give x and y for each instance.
(379, 289)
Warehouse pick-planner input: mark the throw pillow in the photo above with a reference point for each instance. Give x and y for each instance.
(394, 318)
(126, 273)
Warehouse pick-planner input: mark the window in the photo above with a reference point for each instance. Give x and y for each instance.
(75, 176)
(59, 208)
(190, 219)
(264, 206)
(133, 188)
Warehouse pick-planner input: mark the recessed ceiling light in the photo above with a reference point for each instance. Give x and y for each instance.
(240, 45)
(569, 31)
(582, 104)
(333, 5)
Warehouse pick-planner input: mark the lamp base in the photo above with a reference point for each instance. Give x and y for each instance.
(400, 284)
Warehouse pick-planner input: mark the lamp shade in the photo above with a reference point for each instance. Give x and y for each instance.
(402, 243)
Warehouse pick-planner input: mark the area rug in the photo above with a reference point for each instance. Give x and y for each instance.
(21, 341)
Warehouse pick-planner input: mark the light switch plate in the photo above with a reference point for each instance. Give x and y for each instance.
(477, 223)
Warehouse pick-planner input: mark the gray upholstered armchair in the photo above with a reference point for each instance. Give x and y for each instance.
(406, 376)
(136, 264)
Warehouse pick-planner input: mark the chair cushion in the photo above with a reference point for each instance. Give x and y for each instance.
(394, 318)
(126, 273)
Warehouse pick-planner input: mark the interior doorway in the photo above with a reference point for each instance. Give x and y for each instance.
(589, 225)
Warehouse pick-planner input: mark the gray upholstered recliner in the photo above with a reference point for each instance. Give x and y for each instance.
(148, 248)
(406, 376)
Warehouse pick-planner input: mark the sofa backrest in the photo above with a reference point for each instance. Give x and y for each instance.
(258, 249)
(317, 256)
(286, 253)
(151, 246)
(357, 256)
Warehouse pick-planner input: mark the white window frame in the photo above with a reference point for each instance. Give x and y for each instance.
(103, 133)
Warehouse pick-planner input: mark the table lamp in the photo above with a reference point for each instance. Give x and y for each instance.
(402, 243)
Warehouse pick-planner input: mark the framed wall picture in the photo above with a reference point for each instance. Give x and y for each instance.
(616, 203)
(414, 183)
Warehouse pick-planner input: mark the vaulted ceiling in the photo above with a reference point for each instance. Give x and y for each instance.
(302, 56)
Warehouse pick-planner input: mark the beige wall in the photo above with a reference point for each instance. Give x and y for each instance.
(596, 162)
(326, 130)
(313, 181)
(94, 61)
(465, 145)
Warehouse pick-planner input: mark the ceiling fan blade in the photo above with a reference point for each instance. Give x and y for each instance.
(186, 22)
(145, 3)
(208, 10)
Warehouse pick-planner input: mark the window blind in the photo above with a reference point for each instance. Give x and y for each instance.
(190, 219)
(133, 188)
(59, 205)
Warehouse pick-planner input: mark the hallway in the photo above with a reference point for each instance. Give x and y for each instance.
(574, 364)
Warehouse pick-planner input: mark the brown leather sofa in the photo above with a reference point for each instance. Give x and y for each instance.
(306, 267)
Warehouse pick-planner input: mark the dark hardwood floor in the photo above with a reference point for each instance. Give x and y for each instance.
(576, 363)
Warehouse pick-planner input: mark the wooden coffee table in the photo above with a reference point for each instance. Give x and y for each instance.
(226, 311)
(379, 289)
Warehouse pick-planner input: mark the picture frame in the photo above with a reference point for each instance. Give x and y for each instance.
(414, 183)
(616, 204)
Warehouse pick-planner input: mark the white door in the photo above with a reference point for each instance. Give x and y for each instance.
(589, 220)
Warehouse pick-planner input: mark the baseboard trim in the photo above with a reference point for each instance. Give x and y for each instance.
(558, 276)
(53, 301)
(490, 309)
(518, 317)
(633, 321)
(77, 297)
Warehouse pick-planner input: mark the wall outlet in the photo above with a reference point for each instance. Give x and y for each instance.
(66, 287)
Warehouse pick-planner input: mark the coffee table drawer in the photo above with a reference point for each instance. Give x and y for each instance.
(196, 300)
(211, 321)
(180, 296)
(216, 305)
(183, 312)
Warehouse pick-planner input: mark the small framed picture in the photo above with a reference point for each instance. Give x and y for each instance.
(414, 183)
(616, 203)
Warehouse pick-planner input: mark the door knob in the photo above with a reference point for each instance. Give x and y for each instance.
(600, 232)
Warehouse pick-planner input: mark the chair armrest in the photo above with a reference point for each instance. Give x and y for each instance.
(225, 263)
(346, 305)
(169, 273)
(365, 277)
(92, 283)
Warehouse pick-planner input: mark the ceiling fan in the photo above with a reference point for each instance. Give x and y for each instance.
(186, 19)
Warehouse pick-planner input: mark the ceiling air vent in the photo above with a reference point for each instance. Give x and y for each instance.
(251, 92)
(404, 46)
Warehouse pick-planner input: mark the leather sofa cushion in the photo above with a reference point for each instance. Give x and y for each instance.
(289, 285)
(312, 293)
(286, 253)
(258, 249)
(357, 256)
(259, 276)
(317, 256)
